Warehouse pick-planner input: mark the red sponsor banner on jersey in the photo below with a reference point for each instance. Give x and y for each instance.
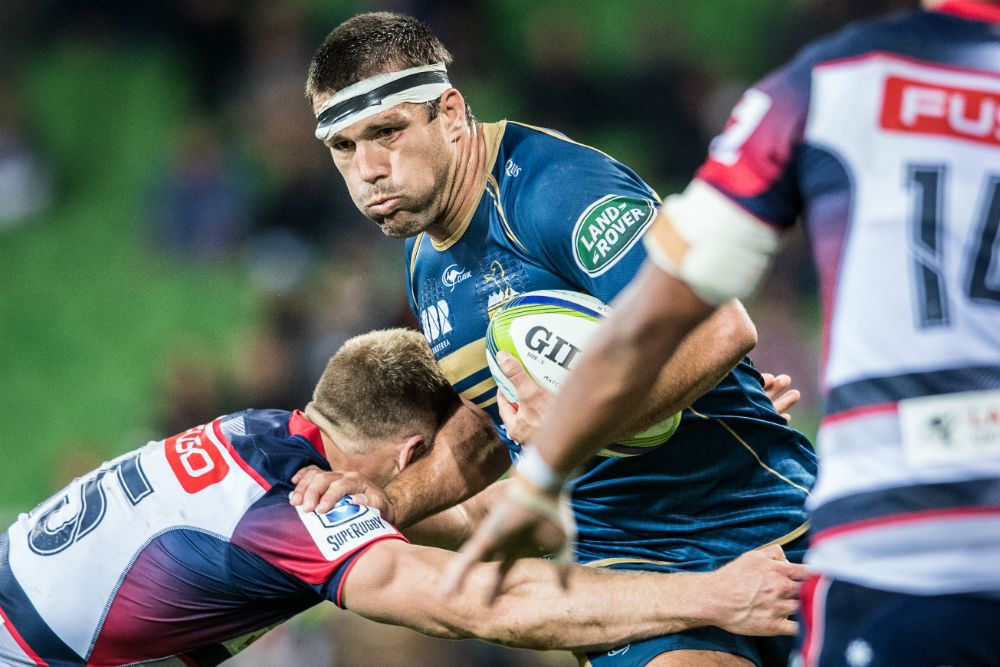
(195, 459)
(929, 108)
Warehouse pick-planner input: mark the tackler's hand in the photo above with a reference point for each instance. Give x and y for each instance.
(755, 594)
(523, 418)
(774, 387)
(320, 490)
(526, 522)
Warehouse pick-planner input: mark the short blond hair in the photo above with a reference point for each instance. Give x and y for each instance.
(381, 385)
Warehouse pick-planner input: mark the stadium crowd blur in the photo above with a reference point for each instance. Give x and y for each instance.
(175, 244)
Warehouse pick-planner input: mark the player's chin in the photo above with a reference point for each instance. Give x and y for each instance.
(399, 224)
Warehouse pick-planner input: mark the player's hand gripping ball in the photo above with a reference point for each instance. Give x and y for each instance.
(546, 330)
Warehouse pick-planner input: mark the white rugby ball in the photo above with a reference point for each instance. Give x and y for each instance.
(546, 330)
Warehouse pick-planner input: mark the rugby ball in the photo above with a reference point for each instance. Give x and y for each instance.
(546, 330)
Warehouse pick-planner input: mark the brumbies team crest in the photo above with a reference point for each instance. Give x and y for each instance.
(608, 229)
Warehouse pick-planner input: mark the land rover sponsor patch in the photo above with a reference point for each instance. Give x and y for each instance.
(607, 229)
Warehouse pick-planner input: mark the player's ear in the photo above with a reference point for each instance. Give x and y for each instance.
(453, 110)
(410, 451)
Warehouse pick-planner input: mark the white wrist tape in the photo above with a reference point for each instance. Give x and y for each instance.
(532, 467)
(706, 240)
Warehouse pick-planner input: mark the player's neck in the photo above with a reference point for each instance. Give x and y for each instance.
(465, 187)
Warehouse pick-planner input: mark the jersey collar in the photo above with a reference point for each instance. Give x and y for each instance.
(970, 9)
(492, 134)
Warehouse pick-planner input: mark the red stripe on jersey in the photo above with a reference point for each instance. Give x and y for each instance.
(969, 9)
(862, 411)
(812, 598)
(889, 55)
(299, 425)
(247, 468)
(187, 661)
(20, 640)
(907, 517)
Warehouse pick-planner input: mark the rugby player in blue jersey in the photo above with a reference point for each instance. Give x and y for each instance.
(885, 138)
(493, 210)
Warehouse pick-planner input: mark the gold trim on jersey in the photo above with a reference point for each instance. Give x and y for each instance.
(492, 134)
(503, 217)
(790, 537)
(750, 449)
(606, 562)
(413, 266)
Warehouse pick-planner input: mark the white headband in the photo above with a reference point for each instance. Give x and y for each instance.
(379, 93)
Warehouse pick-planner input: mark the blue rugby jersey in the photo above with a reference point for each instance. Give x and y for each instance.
(554, 214)
(180, 553)
(885, 138)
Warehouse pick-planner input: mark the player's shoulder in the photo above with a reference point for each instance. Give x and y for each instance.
(274, 443)
(530, 149)
(537, 167)
(912, 33)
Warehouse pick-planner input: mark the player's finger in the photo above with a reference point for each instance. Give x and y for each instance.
(774, 552)
(498, 580)
(796, 571)
(472, 552)
(787, 400)
(302, 471)
(787, 627)
(514, 371)
(507, 411)
(332, 496)
(309, 489)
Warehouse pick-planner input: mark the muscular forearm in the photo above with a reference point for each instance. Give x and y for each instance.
(616, 372)
(450, 528)
(466, 458)
(702, 360)
(598, 609)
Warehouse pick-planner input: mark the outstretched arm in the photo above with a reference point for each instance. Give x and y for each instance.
(398, 583)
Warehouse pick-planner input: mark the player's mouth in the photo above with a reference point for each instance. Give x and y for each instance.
(384, 206)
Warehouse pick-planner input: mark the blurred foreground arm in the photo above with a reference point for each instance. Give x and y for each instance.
(399, 584)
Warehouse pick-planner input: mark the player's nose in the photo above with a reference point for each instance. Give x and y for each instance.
(370, 163)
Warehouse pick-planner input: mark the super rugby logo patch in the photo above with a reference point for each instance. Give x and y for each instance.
(607, 229)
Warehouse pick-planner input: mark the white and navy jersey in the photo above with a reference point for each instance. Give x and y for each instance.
(885, 139)
(182, 552)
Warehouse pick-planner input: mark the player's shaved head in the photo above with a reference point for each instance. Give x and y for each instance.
(382, 385)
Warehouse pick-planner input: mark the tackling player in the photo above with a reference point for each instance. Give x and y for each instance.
(492, 210)
(885, 138)
(185, 551)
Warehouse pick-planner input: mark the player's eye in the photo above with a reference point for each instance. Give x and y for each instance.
(386, 132)
(343, 145)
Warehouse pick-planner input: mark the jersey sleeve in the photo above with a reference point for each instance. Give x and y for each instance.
(581, 214)
(753, 161)
(316, 549)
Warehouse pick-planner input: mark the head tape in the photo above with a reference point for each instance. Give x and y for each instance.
(379, 93)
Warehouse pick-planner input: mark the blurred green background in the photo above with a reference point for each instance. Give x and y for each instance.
(174, 243)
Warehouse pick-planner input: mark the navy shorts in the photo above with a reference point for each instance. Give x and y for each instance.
(761, 651)
(846, 625)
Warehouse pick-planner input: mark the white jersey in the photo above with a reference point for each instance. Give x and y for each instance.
(885, 138)
(179, 553)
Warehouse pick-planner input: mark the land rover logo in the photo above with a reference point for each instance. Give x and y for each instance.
(607, 229)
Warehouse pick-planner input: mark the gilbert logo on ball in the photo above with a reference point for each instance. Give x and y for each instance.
(607, 229)
(546, 330)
